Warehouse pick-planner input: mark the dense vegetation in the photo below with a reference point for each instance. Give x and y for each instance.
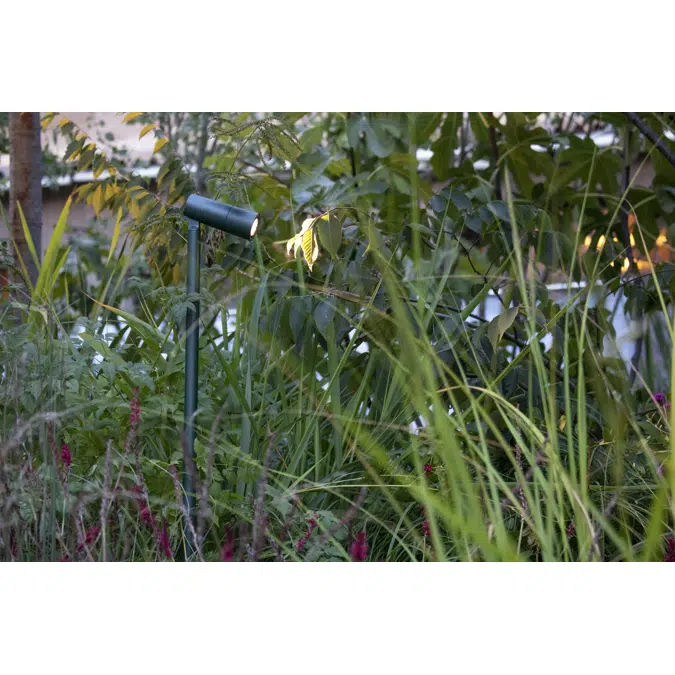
(353, 404)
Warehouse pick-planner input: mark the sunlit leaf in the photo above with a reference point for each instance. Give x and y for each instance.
(146, 130)
(159, 144)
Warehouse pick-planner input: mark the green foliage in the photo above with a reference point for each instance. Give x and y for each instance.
(347, 377)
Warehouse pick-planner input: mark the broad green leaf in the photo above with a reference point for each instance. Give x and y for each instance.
(379, 140)
(323, 317)
(500, 324)
(330, 233)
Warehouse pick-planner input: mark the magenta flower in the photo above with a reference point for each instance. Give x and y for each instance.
(227, 552)
(89, 538)
(313, 523)
(661, 399)
(135, 416)
(571, 530)
(360, 548)
(670, 550)
(91, 535)
(66, 456)
(428, 469)
(144, 512)
(425, 528)
(163, 540)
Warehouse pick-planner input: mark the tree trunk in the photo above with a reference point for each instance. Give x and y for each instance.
(25, 177)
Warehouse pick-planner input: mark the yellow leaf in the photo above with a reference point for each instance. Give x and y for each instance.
(130, 117)
(310, 247)
(160, 143)
(99, 170)
(292, 245)
(98, 200)
(562, 422)
(115, 237)
(112, 170)
(75, 155)
(63, 122)
(47, 120)
(134, 209)
(146, 130)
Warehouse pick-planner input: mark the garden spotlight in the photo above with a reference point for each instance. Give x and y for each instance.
(241, 223)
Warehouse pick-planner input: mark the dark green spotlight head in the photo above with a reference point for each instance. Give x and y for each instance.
(230, 219)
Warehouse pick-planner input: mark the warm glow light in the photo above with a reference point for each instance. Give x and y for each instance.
(588, 241)
(254, 227)
(615, 239)
(601, 242)
(661, 240)
(632, 239)
(625, 266)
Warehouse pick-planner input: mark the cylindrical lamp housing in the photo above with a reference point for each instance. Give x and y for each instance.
(230, 219)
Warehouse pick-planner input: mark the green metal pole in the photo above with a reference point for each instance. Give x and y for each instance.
(191, 378)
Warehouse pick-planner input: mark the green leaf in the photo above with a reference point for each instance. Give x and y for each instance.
(311, 137)
(323, 317)
(47, 270)
(444, 147)
(500, 324)
(27, 236)
(425, 125)
(500, 210)
(460, 200)
(330, 233)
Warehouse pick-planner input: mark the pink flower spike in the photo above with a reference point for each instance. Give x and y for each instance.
(66, 456)
(428, 469)
(360, 548)
(227, 552)
(302, 542)
(91, 535)
(163, 540)
(670, 549)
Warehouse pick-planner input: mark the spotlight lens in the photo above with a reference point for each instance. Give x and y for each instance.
(254, 227)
